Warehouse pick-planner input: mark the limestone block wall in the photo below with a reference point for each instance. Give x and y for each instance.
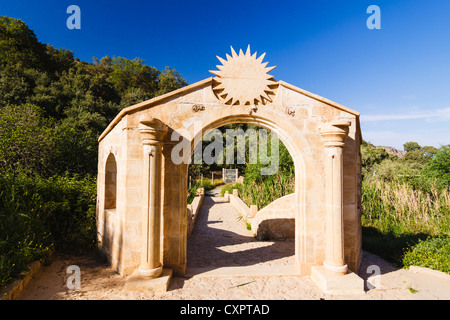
(193, 208)
(111, 218)
(277, 220)
(239, 205)
(174, 213)
(274, 222)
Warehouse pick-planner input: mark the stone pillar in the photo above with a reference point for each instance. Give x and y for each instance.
(334, 134)
(152, 132)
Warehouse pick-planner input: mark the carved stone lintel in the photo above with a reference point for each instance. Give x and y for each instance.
(198, 107)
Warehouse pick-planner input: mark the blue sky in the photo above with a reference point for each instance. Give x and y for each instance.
(397, 77)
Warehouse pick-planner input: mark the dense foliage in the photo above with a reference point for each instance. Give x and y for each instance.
(38, 215)
(261, 190)
(406, 205)
(257, 188)
(434, 253)
(53, 107)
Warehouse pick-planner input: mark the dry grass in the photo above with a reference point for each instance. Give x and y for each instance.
(393, 204)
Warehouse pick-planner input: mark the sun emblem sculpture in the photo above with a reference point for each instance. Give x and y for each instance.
(244, 79)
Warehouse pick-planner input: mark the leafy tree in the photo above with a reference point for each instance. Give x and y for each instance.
(438, 168)
(19, 45)
(169, 80)
(129, 75)
(429, 152)
(370, 156)
(411, 146)
(417, 153)
(26, 140)
(52, 109)
(396, 170)
(75, 150)
(58, 60)
(16, 84)
(134, 96)
(80, 95)
(415, 156)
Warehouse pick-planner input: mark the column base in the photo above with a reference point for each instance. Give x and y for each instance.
(332, 283)
(338, 270)
(151, 273)
(144, 284)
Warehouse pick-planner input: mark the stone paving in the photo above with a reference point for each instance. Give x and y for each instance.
(220, 241)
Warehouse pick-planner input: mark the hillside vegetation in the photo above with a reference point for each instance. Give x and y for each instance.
(406, 205)
(53, 107)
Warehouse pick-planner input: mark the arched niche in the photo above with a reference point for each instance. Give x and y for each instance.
(111, 183)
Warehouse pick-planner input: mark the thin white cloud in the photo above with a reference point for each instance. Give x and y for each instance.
(443, 113)
(436, 115)
(397, 139)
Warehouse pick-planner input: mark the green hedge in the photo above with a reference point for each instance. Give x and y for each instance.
(230, 187)
(38, 215)
(431, 253)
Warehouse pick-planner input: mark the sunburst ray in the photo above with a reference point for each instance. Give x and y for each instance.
(243, 78)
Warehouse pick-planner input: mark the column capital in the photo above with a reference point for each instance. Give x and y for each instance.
(153, 131)
(334, 133)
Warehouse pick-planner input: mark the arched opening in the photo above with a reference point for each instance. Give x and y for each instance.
(267, 238)
(111, 183)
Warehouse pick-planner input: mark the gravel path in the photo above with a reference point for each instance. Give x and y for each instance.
(226, 262)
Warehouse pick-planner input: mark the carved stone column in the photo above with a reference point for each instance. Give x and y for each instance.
(152, 132)
(334, 134)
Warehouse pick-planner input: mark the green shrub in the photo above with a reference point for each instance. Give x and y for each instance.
(37, 215)
(438, 168)
(230, 187)
(389, 244)
(431, 253)
(207, 184)
(192, 192)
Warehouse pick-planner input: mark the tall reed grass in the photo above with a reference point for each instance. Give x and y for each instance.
(262, 193)
(398, 208)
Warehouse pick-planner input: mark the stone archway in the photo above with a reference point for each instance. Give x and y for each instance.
(294, 150)
(275, 249)
(322, 137)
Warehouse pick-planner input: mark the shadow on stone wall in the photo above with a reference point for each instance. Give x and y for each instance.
(276, 229)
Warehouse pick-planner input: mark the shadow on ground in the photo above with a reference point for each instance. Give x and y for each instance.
(389, 245)
(206, 244)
